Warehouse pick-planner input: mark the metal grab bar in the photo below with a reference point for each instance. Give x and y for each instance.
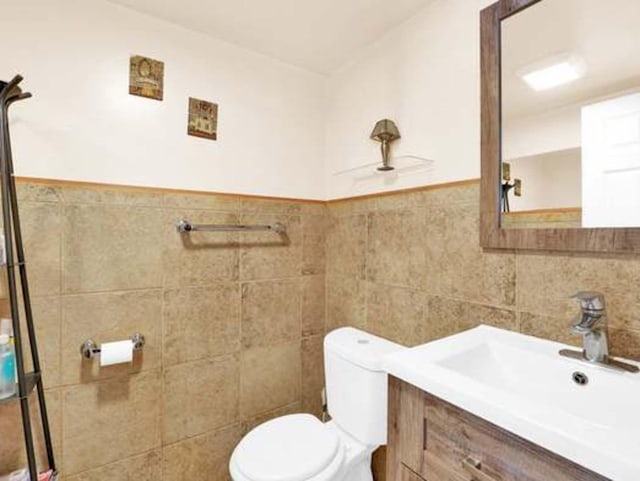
(186, 226)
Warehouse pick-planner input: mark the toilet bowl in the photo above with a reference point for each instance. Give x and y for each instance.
(299, 447)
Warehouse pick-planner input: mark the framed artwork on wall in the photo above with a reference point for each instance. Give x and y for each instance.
(146, 77)
(203, 119)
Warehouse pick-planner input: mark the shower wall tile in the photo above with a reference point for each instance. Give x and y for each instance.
(199, 258)
(456, 265)
(35, 192)
(312, 374)
(111, 195)
(396, 251)
(110, 316)
(201, 457)
(201, 201)
(346, 246)
(346, 302)
(47, 320)
(396, 313)
(105, 262)
(270, 312)
(145, 467)
(268, 255)
(200, 396)
(314, 244)
(111, 420)
(201, 322)
(313, 305)
(110, 247)
(41, 232)
(12, 452)
(270, 377)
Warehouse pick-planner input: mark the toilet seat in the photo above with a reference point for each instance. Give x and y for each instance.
(297, 447)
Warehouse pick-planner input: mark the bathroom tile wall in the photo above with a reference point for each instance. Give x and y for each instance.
(233, 323)
(409, 267)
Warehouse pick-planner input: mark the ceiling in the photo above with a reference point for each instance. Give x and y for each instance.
(605, 35)
(317, 35)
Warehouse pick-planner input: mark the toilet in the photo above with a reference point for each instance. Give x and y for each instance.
(299, 447)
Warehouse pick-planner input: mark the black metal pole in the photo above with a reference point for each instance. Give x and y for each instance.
(13, 297)
(26, 297)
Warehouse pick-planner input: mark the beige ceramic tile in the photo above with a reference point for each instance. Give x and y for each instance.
(109, 247)
(41, 232)
(199, 258)
(545, 283)
(107, 317)
(269, 378)
(546, 327)
(219, 202)
(312, 374)
(625, 343)
(108, 421)
(313, 305)
(12, 448)
(396, 313)
(314, 240)
(201, 322)
(146, 467)
(449, 316)
(396, 248)
(270, 312)
(346, 246)
(200, 396)
(47, 322)
(256, 205)
(293, 408)
(468, 193)
(202, 457)
(111, 195)
(35, 192)
(456, 265)
(346, 302)
(268, 255)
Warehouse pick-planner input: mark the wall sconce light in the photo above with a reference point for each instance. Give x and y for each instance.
(385, 132)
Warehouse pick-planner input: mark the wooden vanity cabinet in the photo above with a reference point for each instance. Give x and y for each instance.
(432, 440)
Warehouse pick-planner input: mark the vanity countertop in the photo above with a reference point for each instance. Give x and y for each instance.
(521, 384)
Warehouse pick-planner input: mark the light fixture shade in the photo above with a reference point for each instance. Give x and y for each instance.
(385, 130)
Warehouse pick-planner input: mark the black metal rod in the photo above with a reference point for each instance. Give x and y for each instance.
(13, 295)
(24, 283)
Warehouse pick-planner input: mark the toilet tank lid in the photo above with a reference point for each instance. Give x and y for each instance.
(360, 348)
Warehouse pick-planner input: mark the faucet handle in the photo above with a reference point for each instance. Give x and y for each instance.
(590, 301)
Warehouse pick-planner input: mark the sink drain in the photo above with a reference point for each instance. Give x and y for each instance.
(580, 378)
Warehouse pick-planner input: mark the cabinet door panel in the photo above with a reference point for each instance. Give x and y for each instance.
(454, 435)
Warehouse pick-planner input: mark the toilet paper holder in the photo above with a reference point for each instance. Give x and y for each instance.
(90, 349)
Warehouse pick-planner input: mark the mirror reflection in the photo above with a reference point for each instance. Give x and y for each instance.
(571, 115)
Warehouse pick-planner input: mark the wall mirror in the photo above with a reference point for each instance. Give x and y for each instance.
(561, 125)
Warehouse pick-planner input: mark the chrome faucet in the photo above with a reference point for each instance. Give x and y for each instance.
(591, 324)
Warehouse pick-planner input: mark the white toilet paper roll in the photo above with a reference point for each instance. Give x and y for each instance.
(116, 352)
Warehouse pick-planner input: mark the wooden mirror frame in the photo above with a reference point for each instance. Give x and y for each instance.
(491, 234)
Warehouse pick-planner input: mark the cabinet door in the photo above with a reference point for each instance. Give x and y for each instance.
(405, 428)
(408, 475)
(461, 446)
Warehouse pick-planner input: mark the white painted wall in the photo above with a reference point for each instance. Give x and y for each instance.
(550, 180)
(425, 75)
(83, 125)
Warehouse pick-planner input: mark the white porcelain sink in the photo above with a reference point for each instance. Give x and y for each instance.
(522, 384)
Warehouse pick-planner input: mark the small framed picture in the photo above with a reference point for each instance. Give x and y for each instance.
(203, 119)
(146, 77)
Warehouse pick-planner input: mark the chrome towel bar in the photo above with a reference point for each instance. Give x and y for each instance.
(186, 226)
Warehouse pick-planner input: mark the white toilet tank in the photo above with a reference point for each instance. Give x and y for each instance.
(356, 383)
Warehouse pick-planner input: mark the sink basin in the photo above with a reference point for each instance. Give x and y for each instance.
(521, 384)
